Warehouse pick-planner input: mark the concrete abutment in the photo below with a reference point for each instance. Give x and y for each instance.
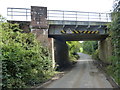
(61, 54)
(105, 49)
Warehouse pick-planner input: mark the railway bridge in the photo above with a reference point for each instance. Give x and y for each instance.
(63, 26)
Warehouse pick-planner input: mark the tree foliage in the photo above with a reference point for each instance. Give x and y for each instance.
(74, 47)
(90, 47)
(24, 61)
(114, 69)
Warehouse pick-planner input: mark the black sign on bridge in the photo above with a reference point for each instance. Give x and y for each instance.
(39, 17)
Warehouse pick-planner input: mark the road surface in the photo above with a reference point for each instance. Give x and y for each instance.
(83, 75)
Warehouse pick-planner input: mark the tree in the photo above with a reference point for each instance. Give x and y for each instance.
(89, 46)
(74, 47)
(115, 35)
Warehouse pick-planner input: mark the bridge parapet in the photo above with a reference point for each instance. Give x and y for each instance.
(24, 14)
(78, 16)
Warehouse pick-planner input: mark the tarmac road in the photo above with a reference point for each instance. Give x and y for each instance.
(83, 75)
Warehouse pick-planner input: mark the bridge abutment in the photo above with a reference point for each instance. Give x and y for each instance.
(105, 49)
(61, 54)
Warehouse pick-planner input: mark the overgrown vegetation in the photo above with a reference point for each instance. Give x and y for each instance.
(88, 47)
(114, 68)
(74, 48)
(24, 61)
(91, 47)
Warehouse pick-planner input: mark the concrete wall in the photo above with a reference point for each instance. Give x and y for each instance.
(105, 49)
(61, 54)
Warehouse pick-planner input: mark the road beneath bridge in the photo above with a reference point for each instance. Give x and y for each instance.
(83, 75)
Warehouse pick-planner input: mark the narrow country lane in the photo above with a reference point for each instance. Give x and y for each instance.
(83, 75)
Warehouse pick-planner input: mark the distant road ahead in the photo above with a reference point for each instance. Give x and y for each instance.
(83, 75)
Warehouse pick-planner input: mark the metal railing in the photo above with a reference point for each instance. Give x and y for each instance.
(21, 14)
(24, 14)
(78, 16)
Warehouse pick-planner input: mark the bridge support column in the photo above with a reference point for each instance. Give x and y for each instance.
(105, 49)
(61, 54)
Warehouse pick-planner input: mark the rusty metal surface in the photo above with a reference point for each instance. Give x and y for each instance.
(39, 17)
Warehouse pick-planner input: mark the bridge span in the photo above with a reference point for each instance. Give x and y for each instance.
(65, 25)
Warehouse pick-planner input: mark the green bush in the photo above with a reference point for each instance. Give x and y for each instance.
(95, 55)
(114, 31)
(89, 47)
(24, 61)
(74, 47)
(114, 68)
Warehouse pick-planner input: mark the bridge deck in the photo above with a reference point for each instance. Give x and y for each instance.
(68, 22)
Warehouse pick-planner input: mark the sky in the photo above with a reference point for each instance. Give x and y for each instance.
(71, 5)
